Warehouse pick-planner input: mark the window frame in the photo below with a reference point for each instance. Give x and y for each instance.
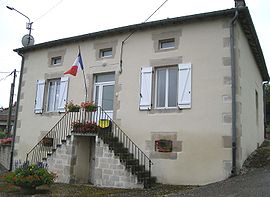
(55, 80)
(166, 87)
(164, 41)
(54, 59)
(103, 51)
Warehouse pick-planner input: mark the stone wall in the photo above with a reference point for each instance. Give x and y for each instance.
(5, 155)
(109, 172)
(60, 162)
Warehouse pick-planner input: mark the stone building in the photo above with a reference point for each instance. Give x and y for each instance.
(189, 98)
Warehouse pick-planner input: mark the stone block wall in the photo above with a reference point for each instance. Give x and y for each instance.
(5, 155)
(109, 172)
(60, 162)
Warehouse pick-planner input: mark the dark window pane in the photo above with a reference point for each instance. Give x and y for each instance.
(107, 97)
(165, 44)
(105, 77)
(161, 87)
(172, 88)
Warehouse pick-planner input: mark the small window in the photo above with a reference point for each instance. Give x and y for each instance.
(163, 146)
(167, 44)
(105, 53)
(56, 60)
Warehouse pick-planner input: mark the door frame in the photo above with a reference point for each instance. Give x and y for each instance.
(101, 85)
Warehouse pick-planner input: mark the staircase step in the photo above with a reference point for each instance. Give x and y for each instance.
(135, 168)
(120, 150)
(125, 156)
(132, 162)
(149, 182)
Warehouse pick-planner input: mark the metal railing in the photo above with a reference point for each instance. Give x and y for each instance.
(101, 124)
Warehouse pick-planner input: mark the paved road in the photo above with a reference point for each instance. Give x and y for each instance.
(255, 183)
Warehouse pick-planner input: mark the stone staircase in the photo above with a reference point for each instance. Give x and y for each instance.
(129, 154)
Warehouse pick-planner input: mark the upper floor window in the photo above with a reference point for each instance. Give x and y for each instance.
(166, 87)
(56, 60)
(103, 53)
(172, 87)
(167, 43)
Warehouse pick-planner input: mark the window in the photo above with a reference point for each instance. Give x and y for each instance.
(56, 60)
(53, 95)
(167, 43)
(163, 145)
(166, 87)
(56, 91)
(105, 53)
(172, 87)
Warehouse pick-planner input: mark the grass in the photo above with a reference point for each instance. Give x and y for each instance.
(76, 190)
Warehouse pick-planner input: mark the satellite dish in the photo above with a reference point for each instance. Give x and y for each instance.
(28, 40)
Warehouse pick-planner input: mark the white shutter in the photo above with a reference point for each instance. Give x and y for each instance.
(146, 87)
(184, 86)
(63, 94)
(39, 96)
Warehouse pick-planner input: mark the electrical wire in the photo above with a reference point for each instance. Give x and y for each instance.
(4, 78)
(53, 7)
(123, 42)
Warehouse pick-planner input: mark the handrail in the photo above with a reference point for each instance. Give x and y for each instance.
(66, 125)
(126, 135)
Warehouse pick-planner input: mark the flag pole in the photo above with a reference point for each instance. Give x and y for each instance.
(85, 86)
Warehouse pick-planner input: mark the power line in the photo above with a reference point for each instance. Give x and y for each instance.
(4, 78)
(136, 29)
(48, 11)
(2, 72)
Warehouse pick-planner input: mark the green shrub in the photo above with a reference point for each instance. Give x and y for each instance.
(30, 176)
(268, 130)
(2, 135)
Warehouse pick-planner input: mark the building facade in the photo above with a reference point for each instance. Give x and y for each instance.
(171, 94)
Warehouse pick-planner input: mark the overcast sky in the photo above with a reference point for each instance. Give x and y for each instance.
(55, 19)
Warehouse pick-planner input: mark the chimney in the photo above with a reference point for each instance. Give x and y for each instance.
(240, 3)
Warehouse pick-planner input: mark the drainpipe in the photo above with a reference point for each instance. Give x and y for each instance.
(265, 83)
(16, 113)
(233, 81)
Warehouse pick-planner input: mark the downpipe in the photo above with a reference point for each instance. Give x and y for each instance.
(233, 81)
(16, 113)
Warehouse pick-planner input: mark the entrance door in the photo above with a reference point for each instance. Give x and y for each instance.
(104, 92)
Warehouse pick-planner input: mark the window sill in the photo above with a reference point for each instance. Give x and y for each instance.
(165, 111)
(52, 113)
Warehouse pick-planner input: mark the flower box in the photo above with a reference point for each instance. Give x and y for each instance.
(47, 141)
(84, 127)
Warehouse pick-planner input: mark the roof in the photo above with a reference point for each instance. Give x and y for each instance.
(244, 19)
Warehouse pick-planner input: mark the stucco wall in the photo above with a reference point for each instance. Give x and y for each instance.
(251, 125)
(202, 134)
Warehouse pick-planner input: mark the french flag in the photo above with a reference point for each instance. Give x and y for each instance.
(77, 63)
